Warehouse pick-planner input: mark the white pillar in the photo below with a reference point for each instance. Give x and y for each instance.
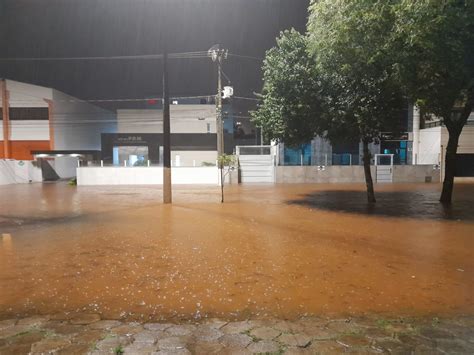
(416, 134)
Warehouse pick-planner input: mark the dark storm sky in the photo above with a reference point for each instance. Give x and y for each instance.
(65, 28)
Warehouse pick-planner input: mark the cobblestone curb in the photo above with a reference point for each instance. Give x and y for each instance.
(88, 334)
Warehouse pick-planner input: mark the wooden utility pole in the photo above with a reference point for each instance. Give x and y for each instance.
(167, 197)
(6, 120)
(219, 123)
(217, 56)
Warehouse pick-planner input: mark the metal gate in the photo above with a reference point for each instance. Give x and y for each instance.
(256, 163)
(384, 167)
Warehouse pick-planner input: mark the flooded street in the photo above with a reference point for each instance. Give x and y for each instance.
(270, 251)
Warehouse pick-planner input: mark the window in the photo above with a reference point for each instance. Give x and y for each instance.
(28, 113)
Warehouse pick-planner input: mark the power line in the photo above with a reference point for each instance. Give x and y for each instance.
(210, 96)
(245, 56)
(245, 98)
(178, 55)
(120, 57)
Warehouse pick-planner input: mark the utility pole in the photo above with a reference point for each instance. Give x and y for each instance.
(166, 135)
(219, 123)
(217, 56)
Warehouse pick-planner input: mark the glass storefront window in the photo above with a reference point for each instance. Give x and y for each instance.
(133, 155)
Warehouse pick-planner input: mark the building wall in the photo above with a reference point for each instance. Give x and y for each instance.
(65, 166)
(70, 124)
(466, 140)
(415, 173)
(146, 176)
(77, 125)
(19, 172)
(26, 135)
(21, 150)
(193, 158)
(28, 95)
(433, 142)
(183, 119)
(352, 174)
(429, 146)
(29, 130)
(311, 174)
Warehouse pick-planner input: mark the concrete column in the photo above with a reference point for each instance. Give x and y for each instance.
(6, 120)
(50, 123)
(416, 135)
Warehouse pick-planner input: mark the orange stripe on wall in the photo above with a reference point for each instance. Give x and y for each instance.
(21, 150)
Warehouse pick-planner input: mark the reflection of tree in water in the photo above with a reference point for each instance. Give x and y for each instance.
(415, 204)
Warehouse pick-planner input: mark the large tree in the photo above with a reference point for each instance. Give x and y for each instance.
(350, 40)
(291, 97)
(434, 41)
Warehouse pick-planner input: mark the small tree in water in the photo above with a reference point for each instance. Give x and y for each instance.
(226, 164)
(350, 42)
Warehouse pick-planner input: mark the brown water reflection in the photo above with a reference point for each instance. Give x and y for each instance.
(415, 202)
(119, 252)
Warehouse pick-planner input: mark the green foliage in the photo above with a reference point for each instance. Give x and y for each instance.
(72, 182)
(141, 162)
(226, 160)
(351, 42)
(226, 163)
(291, 103)
(434, 42)
(207, 163)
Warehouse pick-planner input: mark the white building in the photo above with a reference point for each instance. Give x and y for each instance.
(44, 122)
(139, 136)
(430, 142)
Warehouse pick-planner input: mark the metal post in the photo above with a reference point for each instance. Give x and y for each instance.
(101, 163)
(166, 135)
(350, 159)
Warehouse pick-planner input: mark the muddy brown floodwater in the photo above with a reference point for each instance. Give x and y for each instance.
(281, 251)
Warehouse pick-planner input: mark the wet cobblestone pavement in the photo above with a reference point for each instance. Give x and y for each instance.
(88, 334)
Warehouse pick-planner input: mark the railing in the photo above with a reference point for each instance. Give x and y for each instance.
(345, 159)
(433, 124)
(254, 150)
(440, 123)
(143, 164)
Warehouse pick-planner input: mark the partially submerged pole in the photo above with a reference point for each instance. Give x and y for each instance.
(166, 135)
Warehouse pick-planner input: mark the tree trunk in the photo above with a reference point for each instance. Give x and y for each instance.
(454, 129)
(368, 175)
(450, 166)
(222, 185)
